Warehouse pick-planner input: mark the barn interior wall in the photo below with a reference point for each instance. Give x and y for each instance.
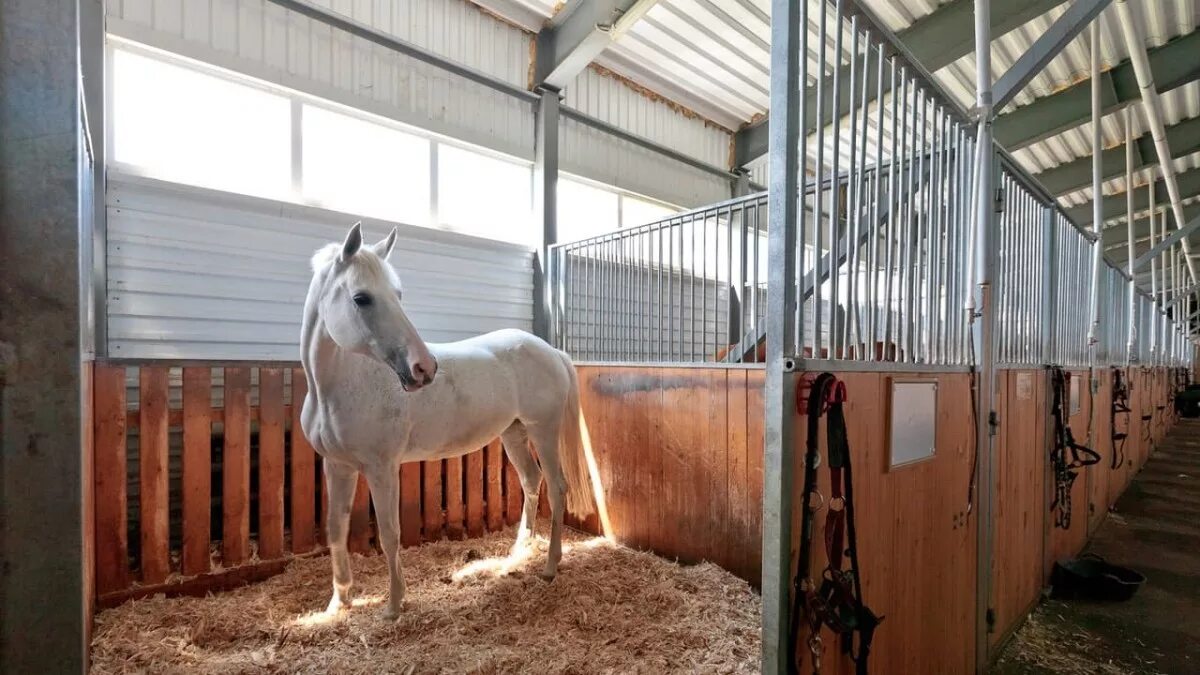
(263, 40)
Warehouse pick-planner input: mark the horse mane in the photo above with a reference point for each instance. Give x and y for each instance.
(325, 256)
(328, 254)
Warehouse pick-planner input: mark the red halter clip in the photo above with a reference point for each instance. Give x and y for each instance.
(836, 393)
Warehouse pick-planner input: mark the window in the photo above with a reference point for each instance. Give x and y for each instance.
(186, 126)
(586, 211)
(357, 166)
(636, 211)
(486, 196)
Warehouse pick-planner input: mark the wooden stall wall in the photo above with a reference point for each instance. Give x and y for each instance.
(916, 539)
(1065, 543)
(1020, 512)
(227, 493)
(1101, 484)
(679, 453)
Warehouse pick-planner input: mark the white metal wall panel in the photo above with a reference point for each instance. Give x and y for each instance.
(607, 98)
(200, 274)
(263, 40)
(591, 153)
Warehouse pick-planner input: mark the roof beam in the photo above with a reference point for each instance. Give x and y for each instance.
(1167, 243)
(1114, 204)
(1115, 244)
(1174, 65)
(1075, 175)
(1059, 35)
(935, 41)
(576, 36)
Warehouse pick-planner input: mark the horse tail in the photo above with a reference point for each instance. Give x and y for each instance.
(580, 500)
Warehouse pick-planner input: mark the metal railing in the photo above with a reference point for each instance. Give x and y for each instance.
(684, 289)
(884, 245)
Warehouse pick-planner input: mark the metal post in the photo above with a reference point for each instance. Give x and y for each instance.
(985, 204)
(545, 202)
(787, 21)
(1097, 194)
(1131, 351)
(1049, 282)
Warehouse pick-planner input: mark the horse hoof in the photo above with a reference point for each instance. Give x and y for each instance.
(390, 615)
(548, 576)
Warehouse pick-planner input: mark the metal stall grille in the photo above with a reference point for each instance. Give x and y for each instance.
(1071, 294)
(884, 247)
(1021, 274)
(683, 289)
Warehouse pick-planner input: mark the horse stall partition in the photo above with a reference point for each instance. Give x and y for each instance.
(202, 481)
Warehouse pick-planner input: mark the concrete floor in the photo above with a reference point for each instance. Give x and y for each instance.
(1155, 529)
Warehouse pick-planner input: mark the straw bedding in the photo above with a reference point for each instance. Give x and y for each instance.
(470, 608)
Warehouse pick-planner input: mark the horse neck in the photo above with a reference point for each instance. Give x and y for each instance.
(318, 352)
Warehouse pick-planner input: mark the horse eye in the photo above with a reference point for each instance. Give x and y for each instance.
(362, 299)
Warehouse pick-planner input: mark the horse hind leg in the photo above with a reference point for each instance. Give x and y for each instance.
(545, 439)
(516, 446)
(341, 480)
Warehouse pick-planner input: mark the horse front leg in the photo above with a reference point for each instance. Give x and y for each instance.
(341, 480)
(385, 495)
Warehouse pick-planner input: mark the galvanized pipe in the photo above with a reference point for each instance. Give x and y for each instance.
(1131, 347)
(1097, 188)
(1152, 107)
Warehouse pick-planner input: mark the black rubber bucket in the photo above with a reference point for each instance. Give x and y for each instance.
(1092, 578)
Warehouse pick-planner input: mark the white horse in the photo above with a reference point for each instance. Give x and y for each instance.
(379, 396)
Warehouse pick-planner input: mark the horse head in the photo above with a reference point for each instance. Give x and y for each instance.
(359, 303)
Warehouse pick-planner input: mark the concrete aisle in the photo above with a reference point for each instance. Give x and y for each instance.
(1155, 529)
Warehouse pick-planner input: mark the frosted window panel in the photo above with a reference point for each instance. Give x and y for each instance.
(365, 168)
(485, 196)
(636, 211)
(184, 126)
(585, 211)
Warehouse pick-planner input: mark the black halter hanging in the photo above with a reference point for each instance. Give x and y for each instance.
(837, 602)
(1067, 457)
(1120, 405)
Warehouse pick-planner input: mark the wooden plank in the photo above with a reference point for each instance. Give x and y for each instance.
(87, 391)
(303, 473)
(741, 517)
(202, 585)
(360, 519)
(110, 490)
(175, 416)
(154, 502)
(410, 504)
(495, 491)
(270, 463)
(431, 504)
(755, 444)
(454, 498)
(474, 488)
(235, 469)
(197, 470)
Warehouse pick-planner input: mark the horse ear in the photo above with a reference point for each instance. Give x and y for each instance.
(353, 242)
(383, 249)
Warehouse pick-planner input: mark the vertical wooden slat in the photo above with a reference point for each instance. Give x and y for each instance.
(304, 490)
(112, 548)
(431, 506)
(235, 468)
(270, 463)
(197, 470)
(514, 497)
(360, 518)
(474, 489)
(152, 457)
(454, 498)
(410, 504)
(494, 492)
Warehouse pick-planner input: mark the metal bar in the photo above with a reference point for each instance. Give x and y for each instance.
(835, 190)
(984, 351)
(819, 169)
(1097, 185)
(1164, 245)
(361, 30)
(1033, 60)
(1131, 346)
(788, 23)
(545, 199)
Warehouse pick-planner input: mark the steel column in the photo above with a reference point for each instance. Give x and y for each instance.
(545, 207)
(788, 20)
(984, 252)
